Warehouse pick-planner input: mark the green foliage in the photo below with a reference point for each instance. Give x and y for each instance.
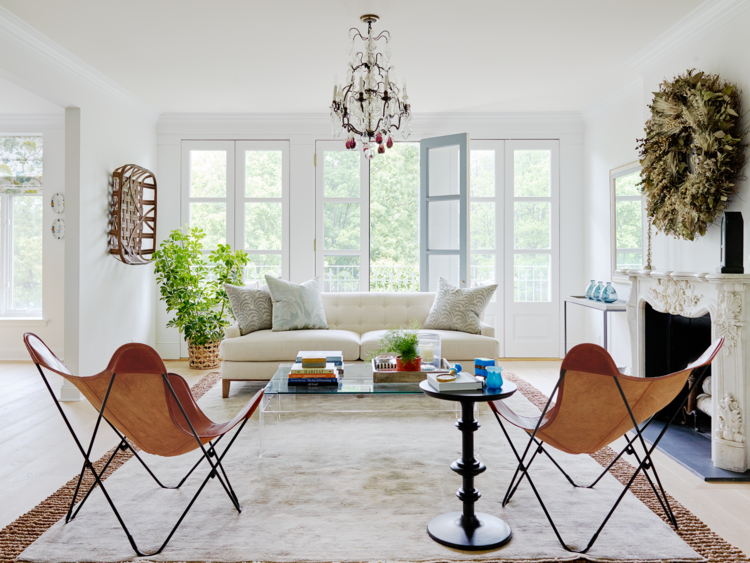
(693, 153)
(27, 252)
(404, 342)
(193, 288)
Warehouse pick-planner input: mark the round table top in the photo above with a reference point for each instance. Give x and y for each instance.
(485, 394)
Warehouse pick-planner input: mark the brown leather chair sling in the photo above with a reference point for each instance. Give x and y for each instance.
(149, 409)
(595, 405)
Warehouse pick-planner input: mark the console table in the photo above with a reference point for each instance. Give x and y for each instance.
(618, 306)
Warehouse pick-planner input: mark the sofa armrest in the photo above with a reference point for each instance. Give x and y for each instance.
(487, 330)
(233, 331)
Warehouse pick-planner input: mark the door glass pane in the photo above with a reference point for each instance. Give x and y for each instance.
(483, 271)
(261, 264)
(628, 226)
(27, 253)
(531, 277)
(443, 225)
(531, 225)
(443, 171)
(341, 273)
(212, 219)
(341, 227)
(482, 225)
(394, 219)
(208, 174)
(262, 173)
(263, 226)
(341, 174)
(531, 173)
(630, 260)
(442, 266)
(628, 184)
(482, 174)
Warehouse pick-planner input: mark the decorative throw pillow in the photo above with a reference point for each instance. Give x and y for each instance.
(459, 309)
(251, 306)
(296, 306)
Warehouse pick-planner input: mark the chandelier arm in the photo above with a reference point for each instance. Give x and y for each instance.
(358, 34)
(383, 34)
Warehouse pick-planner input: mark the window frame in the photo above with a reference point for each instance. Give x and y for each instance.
(7, 203)
(235, 192)
(615, 173)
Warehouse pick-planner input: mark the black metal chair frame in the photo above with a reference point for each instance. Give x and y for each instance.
(644, 464)
(217, 469)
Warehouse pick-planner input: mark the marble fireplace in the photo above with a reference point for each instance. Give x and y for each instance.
(724, 298)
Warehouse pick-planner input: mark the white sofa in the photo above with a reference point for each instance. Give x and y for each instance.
(356, 323)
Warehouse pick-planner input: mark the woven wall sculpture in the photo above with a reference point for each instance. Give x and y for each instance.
(132, 233)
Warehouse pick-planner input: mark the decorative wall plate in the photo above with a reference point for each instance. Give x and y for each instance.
(58, 228)
(132, 233)
(57, 201)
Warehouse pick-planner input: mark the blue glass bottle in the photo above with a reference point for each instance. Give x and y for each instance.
(597, 295)
(609, 295)
(590, 290)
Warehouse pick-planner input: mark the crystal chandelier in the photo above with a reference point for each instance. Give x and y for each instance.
(370, 105)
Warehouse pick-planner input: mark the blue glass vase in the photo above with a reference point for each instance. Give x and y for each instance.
(597, 295)
(608, 294)
(590, 290)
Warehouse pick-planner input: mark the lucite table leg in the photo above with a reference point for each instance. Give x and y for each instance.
(468, 529)
(261, 421)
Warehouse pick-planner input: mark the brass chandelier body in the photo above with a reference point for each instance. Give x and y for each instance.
(370, 106)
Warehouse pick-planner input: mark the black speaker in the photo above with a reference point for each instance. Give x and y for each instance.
(732, 242)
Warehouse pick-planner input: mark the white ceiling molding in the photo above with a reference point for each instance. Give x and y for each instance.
(627, 90)
(17, 32)
(706, 18)
(15, 122)
(269, 126)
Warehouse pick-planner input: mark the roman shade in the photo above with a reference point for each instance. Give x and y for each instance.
(21, 164)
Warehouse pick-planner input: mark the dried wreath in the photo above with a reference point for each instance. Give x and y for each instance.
(693, 153)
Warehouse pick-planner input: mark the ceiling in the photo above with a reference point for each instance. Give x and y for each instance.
(263, 56)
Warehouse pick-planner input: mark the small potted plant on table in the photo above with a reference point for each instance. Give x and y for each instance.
(404, 343)
(192, 286)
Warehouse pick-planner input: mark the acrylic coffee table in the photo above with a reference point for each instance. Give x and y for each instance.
(469, 530)
(357, 383)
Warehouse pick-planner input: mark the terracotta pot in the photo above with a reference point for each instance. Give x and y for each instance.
(414, 365)
(204, 357)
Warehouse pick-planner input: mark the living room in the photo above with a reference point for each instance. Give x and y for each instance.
(517, 177)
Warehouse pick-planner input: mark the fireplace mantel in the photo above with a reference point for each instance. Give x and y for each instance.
(693, 294)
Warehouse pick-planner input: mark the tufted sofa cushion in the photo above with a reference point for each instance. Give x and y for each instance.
(365, 312)
(268, 346)
(454, 345)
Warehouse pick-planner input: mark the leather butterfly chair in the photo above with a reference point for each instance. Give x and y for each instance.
(148, 409)
(595, 406)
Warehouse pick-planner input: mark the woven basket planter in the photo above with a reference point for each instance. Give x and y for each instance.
(204, 357)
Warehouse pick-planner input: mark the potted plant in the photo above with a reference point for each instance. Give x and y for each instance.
(404, 343)
(192, 286)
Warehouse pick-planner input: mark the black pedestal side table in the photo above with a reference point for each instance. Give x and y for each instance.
(469, 530)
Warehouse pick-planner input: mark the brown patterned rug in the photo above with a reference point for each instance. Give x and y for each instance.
(28, 528)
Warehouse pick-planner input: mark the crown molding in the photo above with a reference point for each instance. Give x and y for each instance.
(614, 98)
(23, 36)
(706, 18)
(31, 121)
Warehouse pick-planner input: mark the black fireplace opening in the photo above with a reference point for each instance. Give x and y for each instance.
(672, 342)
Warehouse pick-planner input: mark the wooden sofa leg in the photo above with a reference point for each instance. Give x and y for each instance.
(225, 388)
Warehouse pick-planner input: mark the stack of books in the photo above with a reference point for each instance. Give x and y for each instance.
(317, 368)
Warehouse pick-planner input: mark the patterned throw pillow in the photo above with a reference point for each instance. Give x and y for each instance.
(296, 306)
(251, 307)
(459, 309)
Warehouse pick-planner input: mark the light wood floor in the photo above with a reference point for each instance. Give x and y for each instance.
(37, 455)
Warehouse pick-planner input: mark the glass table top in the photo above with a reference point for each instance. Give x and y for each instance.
(357, 380)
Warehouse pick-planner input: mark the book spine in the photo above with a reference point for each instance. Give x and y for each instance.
(336, 361)
(312, 376)
(313, 380)
(304, 371)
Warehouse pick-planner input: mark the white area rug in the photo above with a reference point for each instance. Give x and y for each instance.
(354, 487)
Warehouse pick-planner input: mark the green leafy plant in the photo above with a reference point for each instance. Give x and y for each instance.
(403, 342)
(192, 284)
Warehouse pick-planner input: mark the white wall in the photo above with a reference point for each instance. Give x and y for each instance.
(611, 130)
(51, 328)
(106, 302)
(303, 130)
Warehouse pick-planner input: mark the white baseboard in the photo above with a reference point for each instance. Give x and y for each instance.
(168, 350)
(16, 354)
